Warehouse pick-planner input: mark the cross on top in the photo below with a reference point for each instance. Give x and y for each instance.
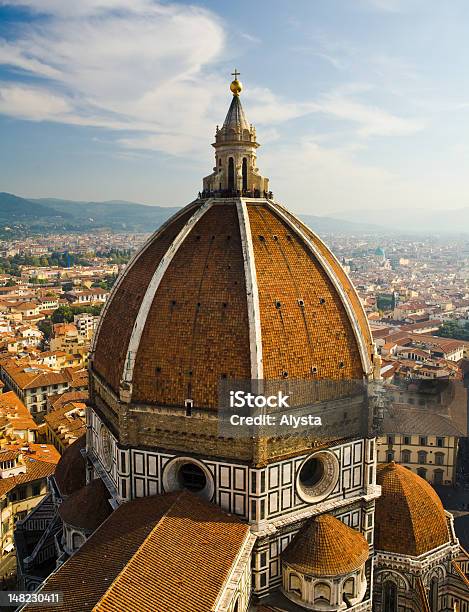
(236, 74)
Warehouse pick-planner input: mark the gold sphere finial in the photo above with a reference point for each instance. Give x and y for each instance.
(236, 86)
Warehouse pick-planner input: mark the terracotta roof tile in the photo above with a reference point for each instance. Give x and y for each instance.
(88, 507)
(197, 330)
(410, 518)
(326, 547)
(124, 303)
(35, 470)
(70, 473)
(143, 557)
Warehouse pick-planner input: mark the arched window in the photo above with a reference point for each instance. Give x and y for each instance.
(433, 598)
(390, 456)
(245, 174)
(77, 540)
(322, 592)
(439, 458)
(422, 457)
(294, 584)
(230, 173)
(422, 472)
(438, 477)
(390, 596)
(349, 587)
(236, 606)
(405, 456)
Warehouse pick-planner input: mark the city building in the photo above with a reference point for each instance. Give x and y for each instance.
(86, 324)
(422, 426)
(81, 297)
(65, 420)
(16, 422)
(24, 469)
(33, 383)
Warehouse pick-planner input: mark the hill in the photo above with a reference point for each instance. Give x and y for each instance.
(411, 220)
(54, 214)
(49, 214)
(13, 208)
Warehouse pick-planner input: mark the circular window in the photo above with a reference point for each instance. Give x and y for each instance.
(317, 476)
(106, 447)
(189, 474)
(191, 477)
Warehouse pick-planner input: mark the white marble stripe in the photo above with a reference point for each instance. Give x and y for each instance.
(365, 358)
(252, 292)
(131, 263)
(134, 342)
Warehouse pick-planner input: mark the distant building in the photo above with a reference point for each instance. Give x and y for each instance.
(33, 384)
(66, 337)
(86, 324)
(65, 421)
(16, 421)
(421, 430)
(91, 296)
(23, 484)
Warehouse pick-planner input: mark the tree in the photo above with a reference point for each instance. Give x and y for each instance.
(452, 329)
(62, 314)
(46, 328)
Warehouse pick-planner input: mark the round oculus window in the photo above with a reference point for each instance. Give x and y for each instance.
(186, 473)
(317, 476)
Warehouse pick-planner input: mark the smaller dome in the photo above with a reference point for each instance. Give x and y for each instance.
(410, 518)
(71, 469)
(88, 507)
(326, 547)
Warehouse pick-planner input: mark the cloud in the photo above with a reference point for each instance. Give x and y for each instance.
(147, 68)
(372, 120)
(388, 6)
(32, 103)
(319, 179)
(122, 64)
(268, 108)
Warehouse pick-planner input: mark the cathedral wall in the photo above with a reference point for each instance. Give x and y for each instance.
(259, 495)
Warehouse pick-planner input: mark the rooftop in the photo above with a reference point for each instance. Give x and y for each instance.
(147, 551)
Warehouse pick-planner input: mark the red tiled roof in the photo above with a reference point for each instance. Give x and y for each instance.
(88, 507)
(146, 554)
(35, 470)
(326, 547)
(70, 474)
(409, 517)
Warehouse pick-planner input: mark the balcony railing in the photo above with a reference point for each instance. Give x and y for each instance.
(235, 193)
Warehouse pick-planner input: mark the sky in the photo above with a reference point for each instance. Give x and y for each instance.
(358, 104)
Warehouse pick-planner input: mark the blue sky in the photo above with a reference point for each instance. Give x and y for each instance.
(358, 104)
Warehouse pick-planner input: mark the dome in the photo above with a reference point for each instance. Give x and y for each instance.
(70, 472)
(410, 518)
(88, 507)
(230, 289)
(326, 547)
(232, 286)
